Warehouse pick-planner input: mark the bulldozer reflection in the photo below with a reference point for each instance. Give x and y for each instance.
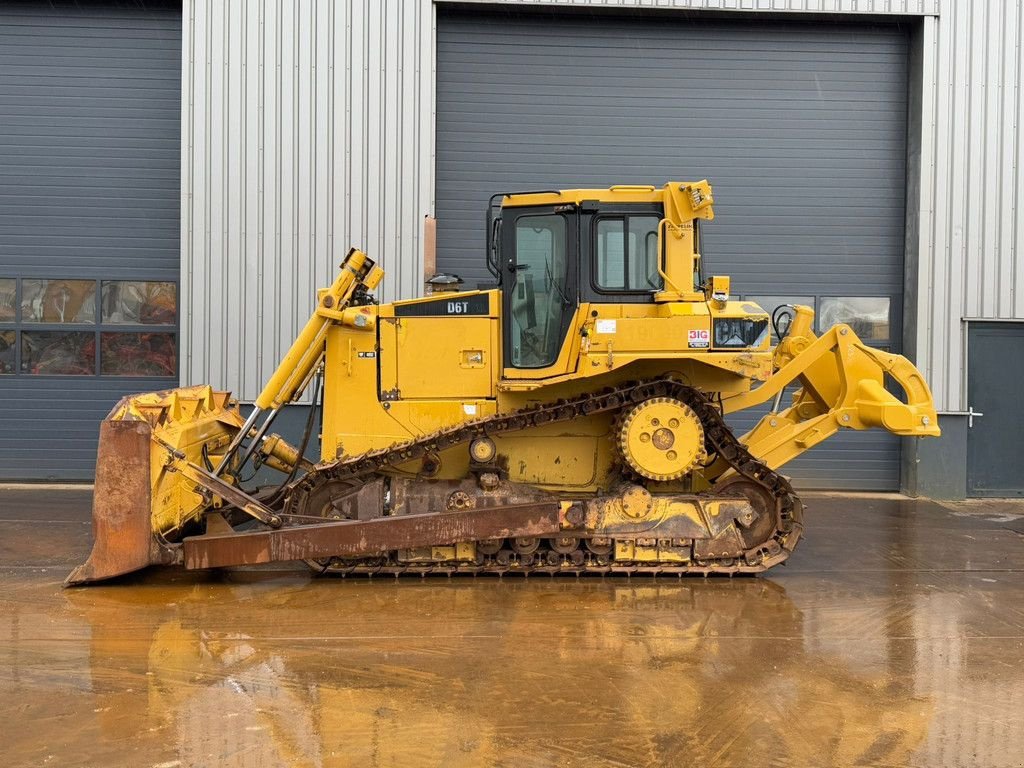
(512, 672)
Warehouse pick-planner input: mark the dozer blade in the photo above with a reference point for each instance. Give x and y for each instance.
(141, 498)
(122, 536)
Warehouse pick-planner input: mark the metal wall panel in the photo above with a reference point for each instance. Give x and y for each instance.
(307, 128)
(50, 425)
(800, 127)
(89, 140)
(971, 238)
(89, 188)
(872, 7)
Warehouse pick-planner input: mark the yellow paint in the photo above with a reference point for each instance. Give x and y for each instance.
(662, 439)
(653, 552)
(306, 352)
(840, 385)
(187, 419)
(720, 286)
(424, 346)
(462, 552)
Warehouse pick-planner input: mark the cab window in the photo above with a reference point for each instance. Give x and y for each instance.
(539, 294)
(626, 254)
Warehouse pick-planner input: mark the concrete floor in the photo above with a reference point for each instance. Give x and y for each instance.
(894, 637)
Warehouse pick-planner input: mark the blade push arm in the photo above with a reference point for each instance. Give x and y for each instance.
(306, 352)
(357, 273)
(841, 386)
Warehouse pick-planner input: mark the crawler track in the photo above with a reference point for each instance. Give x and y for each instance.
(771, 550)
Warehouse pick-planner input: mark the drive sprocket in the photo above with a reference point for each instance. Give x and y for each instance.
(662, 439)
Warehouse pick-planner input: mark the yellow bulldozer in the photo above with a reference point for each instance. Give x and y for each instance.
(570, 420)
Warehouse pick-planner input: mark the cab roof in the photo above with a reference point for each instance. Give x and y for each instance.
(620, 193)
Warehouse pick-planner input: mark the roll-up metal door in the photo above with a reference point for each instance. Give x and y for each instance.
(89, 223)
(801, 128)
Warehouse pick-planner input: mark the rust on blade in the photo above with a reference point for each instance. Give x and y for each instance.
(358, 538)
(122, 539)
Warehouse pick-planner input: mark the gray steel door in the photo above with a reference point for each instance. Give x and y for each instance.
(89, 223)
(801, 127)
(995, 439)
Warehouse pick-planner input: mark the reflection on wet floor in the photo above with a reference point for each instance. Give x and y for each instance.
(896, 637)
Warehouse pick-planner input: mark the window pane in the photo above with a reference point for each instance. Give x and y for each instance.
(643, 253)
(58, 352)
(7, 297)
(58, 301)
(139, 302)
(7, 349)
(539, 296)
(770, 303)
(611, 254)
(868, 316)
(138, 354)
(627, 254)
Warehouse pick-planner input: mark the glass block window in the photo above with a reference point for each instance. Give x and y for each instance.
(8, 352)
(868, 316)
(58, 301)
(138, 354)
(64, 353)
(8, 299)
(79, 327)
(138, 302)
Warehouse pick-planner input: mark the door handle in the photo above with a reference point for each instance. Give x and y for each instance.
(971, 413)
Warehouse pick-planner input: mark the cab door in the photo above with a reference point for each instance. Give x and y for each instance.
(539, 287)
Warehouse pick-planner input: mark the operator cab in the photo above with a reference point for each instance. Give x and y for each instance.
(549, 258)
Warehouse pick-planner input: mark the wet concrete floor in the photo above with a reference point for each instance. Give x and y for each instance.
(894, 637)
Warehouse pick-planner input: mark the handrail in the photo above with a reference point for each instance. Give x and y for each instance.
(669, 284)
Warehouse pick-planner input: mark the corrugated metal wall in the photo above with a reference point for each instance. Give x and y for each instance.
(89, 163)
(307, 126)
(801, 128)
(972, 232)
(873, 7)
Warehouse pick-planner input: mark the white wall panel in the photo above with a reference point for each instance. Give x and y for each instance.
(971, 238)
(307, 128)
(876, 7)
